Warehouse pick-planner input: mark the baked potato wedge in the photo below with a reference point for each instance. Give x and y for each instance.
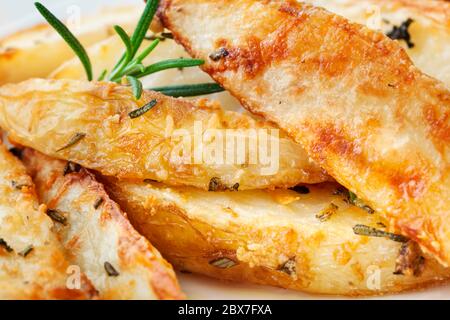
(32, 262)
(101, 126)
(299, 240)
(349, 95)
(38, 50)
(97, 235)
(429, 31)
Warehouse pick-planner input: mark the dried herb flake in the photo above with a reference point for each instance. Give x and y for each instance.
(98, 203)
(110, 270)
(402, 33)
(71, 167)
(5, 245)
(327, 213)
(223, 263)
(219, 54)
(364, 230)
(77, 137)
(26, 251)
(57, 216)
(142, 110)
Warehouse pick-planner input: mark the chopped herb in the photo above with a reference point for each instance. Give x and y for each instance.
(351, 198)
(19, 186)
(98, 203)
(410, 260)
(74, 140)
(219, 54)
(149, 181)
(223, 263)
(401, 32)
(110, 270)
(17, 152)
(215, 184)
(301, 189)
(71, 167)
(139, 112)
(326, 213)
(57, 216)
(381, 224)
(26, 251)
(363, 230)
(5, 245)
(130, 63)
(289, 267)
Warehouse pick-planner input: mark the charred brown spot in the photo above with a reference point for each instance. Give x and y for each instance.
(410, 260)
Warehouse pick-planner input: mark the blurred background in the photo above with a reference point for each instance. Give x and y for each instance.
(20, 13)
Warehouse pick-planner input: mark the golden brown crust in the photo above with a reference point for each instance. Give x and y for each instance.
(48, 114)
(261, 231)
(349, 95)
(97, 231)
(40, 271)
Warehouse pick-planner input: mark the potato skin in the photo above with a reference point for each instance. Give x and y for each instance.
(41, 273)
(350, 96)
(97, 231)
(261, 230)
(47, 114)
(38, 50)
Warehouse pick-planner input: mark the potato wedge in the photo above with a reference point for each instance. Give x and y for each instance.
(92, 124)
(302, 241)
(429, 31)
(38, 50)
(430, 34)
(351, 96)
(96, 233)
(32, 262)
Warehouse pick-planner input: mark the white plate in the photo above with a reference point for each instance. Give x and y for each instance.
(17, 14)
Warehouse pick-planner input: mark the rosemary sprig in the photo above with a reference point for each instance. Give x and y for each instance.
(71, 40)
(130, 65)
(190, 90)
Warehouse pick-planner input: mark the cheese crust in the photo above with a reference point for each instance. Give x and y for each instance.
(90, 124)
(280, 237)
(32, 261)
(95, 231)
(350, 95)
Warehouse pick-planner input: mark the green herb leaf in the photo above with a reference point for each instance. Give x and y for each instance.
(102, 75)
(189, 90)
(139, 112)
(169, 64)
(126, 40)
(143, 24)
(71, 40)
(147, 51)
(136, 85)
